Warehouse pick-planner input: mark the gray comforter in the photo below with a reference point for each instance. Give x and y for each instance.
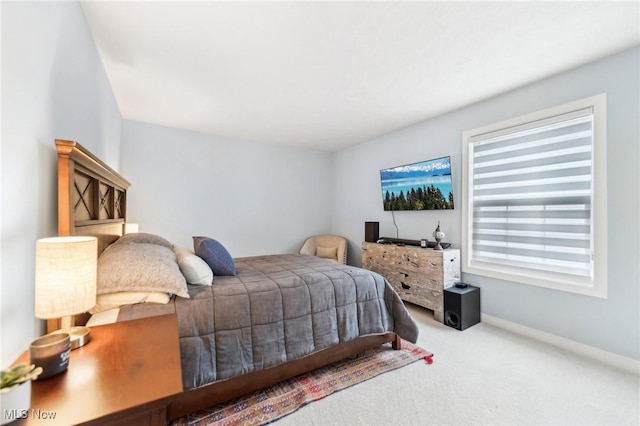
(280, 308)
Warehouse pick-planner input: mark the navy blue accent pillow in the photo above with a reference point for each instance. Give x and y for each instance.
(215, 255)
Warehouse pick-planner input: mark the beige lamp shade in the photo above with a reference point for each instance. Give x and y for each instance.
(66, 272)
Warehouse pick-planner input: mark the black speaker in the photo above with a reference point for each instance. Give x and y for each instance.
(371, 231)
(461, 306)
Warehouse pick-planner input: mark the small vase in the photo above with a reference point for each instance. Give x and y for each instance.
(15, 403)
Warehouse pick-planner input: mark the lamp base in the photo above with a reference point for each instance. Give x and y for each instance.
(79, 336)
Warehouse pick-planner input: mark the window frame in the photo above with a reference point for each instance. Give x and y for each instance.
(597, 285)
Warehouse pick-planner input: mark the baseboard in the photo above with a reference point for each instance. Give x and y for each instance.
(618, 361)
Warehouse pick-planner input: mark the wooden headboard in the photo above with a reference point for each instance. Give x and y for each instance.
(92, 197)
(92, 201)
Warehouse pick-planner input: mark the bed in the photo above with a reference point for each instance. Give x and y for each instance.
(268, 319)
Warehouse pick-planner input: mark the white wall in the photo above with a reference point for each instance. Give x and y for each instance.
(253, 198)
(53, 87)
(612, 324)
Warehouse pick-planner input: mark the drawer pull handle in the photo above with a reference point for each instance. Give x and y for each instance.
(406, 287)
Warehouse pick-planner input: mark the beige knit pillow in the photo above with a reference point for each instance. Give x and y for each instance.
(327, 252)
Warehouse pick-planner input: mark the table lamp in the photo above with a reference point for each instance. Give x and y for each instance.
(66, 274)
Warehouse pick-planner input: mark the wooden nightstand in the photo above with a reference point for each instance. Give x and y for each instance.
(126, 374)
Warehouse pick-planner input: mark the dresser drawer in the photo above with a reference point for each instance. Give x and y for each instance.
(422, 296)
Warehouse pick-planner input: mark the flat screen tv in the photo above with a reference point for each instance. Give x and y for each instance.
(418, 186)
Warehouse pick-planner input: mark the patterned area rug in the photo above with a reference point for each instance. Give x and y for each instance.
(276, 401)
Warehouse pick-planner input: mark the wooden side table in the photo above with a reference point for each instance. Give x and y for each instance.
(126, 374)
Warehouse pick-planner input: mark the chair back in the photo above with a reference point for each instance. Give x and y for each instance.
(332, 247)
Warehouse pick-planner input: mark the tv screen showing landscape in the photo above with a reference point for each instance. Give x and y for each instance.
(418, 186)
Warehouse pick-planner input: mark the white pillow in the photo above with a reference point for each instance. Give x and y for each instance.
(109, 316)
(108, 301)
(195, 270)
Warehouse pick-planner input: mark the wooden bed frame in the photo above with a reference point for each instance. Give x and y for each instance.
(92, 201)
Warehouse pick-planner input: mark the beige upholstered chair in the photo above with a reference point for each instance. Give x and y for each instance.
(332, 247)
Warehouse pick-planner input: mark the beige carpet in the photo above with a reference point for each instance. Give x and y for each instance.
(484, 376)
(281, 399)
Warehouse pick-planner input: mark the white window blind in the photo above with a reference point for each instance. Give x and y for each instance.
(531, 195)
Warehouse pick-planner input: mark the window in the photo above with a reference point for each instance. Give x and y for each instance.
(534, 199)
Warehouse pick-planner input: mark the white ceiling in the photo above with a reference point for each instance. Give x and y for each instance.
(327, 75)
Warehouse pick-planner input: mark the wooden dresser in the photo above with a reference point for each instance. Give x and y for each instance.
(419, 275)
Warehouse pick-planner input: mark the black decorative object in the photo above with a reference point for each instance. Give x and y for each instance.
(371, 231)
